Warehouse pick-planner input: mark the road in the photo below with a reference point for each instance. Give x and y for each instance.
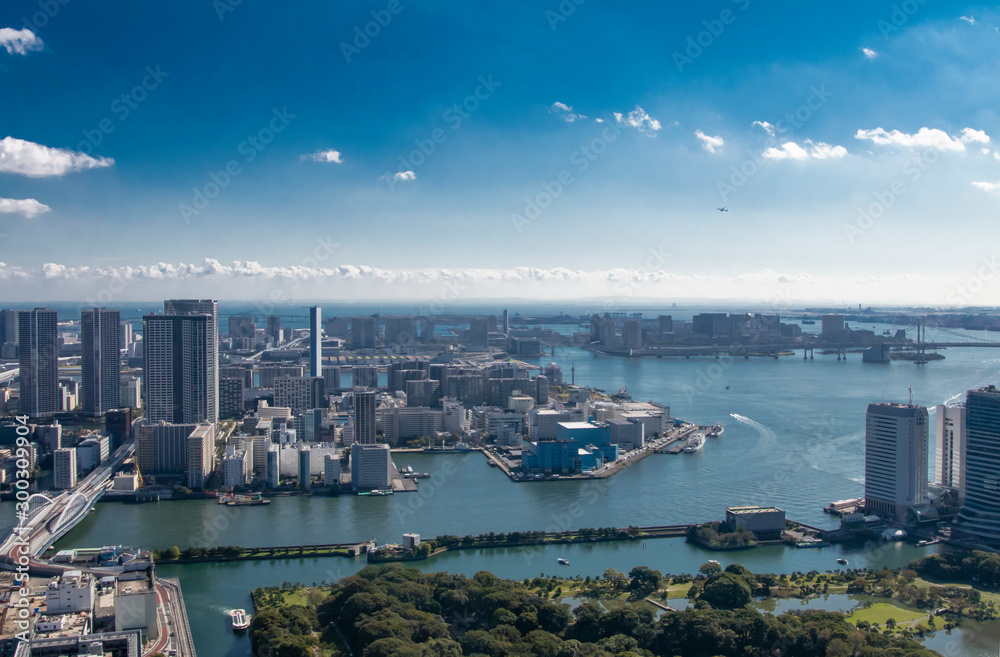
(172, 620)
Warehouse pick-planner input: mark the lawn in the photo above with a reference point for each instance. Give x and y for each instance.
(880, 612)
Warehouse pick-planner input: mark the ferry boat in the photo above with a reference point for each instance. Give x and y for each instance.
(240, 620)
(232, 499)
(842, 562)
(716, 431)
(695, 443)
(564, 562)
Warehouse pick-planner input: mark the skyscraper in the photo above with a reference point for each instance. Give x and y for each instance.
(980, 515)
(181, 384)
(38, 336)
(949, 447)
(101, 360)
(364, 416)
(363, 333)
(895, 459)
(209, 308)
(274, 328)
(315, 341)
(8, 327)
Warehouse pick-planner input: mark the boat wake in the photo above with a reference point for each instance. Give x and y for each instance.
(767, 438)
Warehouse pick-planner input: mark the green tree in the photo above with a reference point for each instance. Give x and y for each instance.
(710, 568)
(726, 591)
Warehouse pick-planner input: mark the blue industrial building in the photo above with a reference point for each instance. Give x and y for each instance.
(578, 447)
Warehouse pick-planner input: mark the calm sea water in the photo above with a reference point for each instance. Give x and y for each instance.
(794, 438)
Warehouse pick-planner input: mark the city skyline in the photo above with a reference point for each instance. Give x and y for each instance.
(536, 161)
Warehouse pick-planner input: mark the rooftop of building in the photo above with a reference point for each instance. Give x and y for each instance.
(741, 510)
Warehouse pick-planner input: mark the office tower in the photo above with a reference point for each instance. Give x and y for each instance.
(363, 333)
(423, 392)
(125, 337)
(315, 341)
(210, 308)
(8, 327)
(632, 333)
(506, 323)
(64, 468)
(39, 354)
(305, 466)
(895, 459)
(201, 455)
(949, 447)
(267, 375)
(181, 379)
(131, 392)
(242, 326)
(665, 324)
(365, 402)
(980, 515)
(479, 333)
(331, 378)
(400, 331)
(364, 376)
(273, 465)
(162, 448)
(371, 467)
(299, 393)
(541, 389)
(118, 425)
(101, 360)
(331, 471)
(230, 398)
(274, 329)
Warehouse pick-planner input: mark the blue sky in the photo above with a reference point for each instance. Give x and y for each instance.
(476, 150)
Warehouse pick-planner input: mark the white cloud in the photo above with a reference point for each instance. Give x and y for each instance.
(768, 128)
(565, 112)
(405, 175)
(984, 151)
(30, 159)
(924, 138)
(325, 156)
(816, 150)
(29, 207)
(987, 186)
(640, 120)
(788, 151)
(968, 19)
(869, 53)
(708, 142)
(19, 41)
(824, 151)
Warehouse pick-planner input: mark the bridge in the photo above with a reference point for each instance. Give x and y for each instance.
(775, 348)
(47, 519)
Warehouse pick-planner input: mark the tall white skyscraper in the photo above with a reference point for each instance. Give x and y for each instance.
(980, 515)
(38, 336)
(949, 447)
(365, 402)
(64, 468)
(179, 385)
(315, 341)
(896, 455)
(101, 360)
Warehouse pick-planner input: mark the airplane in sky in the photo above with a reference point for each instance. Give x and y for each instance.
(722, 209)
